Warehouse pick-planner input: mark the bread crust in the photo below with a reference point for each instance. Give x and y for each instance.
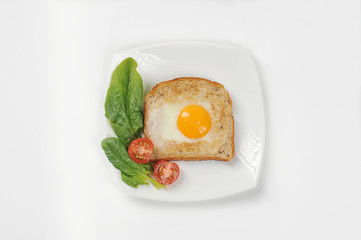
(188, 158)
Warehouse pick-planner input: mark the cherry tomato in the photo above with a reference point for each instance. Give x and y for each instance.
(140, 150)
(166, 172)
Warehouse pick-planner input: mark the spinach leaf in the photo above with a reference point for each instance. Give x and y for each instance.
(123, 103)
(134, 100)
(123, 107)
(133, 174)
(123, 133)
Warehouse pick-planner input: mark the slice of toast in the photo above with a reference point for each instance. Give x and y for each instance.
(161, 128)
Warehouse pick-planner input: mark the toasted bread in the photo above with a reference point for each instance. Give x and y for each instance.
(218, 144)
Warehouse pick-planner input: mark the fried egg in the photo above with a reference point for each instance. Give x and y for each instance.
(181, 122)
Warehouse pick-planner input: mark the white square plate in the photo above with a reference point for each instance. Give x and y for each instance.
(231, 66)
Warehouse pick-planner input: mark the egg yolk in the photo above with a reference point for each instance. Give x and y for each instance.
(194, 121)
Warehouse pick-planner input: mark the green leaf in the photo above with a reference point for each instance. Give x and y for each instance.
(134, 181)
(123, 133)
(133, 174)
(123, 107)
(134, 100)
(123, 103)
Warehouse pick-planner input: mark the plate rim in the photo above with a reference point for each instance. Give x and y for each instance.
(261, 89)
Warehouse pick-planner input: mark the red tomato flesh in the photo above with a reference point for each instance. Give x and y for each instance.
(140, 150)
(166, 172)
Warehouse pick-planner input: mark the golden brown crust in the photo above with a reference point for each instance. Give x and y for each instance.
(192, 86)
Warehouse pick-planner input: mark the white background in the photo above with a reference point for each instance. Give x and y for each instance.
(54, 178)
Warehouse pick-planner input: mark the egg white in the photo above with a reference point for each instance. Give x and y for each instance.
(162, 123)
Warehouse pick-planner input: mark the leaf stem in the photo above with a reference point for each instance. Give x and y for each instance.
(156, 184)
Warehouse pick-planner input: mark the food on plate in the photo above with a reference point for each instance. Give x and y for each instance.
(140, 150)
(189, 118)
(184, 119)
(133, 174)
(166, 172)
(123, 108)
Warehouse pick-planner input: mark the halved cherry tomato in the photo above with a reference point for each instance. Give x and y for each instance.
(166, 172)
(140, 150)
